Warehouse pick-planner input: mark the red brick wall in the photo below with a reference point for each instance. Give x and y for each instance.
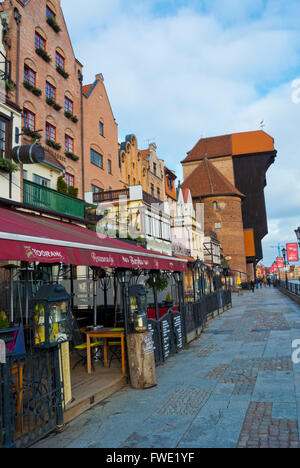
(97, 109)
(34, 17)
(231, 234)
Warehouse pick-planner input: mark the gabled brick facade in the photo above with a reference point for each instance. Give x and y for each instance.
(28, 28)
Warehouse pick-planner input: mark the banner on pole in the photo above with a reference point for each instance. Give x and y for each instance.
(292, 252)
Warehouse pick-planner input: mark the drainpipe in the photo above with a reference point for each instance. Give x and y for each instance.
(80, 78)
(18, 19)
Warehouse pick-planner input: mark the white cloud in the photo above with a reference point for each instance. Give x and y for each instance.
(192, 72)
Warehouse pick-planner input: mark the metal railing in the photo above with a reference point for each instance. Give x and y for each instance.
(111, 195)
(45, 198)
(177, 328)
(293, 288)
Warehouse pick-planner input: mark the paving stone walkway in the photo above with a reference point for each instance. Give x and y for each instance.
(236, 386)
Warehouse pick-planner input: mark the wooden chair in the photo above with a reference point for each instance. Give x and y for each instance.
(115, 347)
(80, 345)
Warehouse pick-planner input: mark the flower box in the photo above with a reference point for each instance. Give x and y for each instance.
(51, 21)
(31, 133)
(53, 144)
(42, 53)
(62, 72)
(52, 103)
(70, 116)
(32, 88)
(71, 156)
(6, 165)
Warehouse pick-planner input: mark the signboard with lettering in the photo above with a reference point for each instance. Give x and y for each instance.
(2, 352)
(292, 252)
(167, 337)
(178, 330)
(154, 327)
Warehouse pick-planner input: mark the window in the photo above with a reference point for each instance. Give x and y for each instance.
(170, 183)
(69, 144)
(158, 193)
(29, 119)
(109, 166)
(154, 168)
(59, 61)
(49, 13)
(29, 75)
(50, 132)
(69, 179)
(97, 159)
(96, 189)
(218, 225)
(37, 179)
(68, 105)
(50, 91)
(3, 136)
(215, 204)
(152, 190)
(25, 174)
(40, 42)
(101, 128)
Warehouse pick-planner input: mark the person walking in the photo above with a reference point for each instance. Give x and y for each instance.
(252, 286)
(269, 282)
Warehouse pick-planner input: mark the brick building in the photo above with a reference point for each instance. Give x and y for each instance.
(48, 87)
(101, 168)
(154, 172)
(132, 165)
(229, 173)
(222, 210)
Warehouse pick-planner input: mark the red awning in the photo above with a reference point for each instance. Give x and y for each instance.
(31, 238)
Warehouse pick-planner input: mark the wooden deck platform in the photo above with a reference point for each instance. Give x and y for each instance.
(90, 389)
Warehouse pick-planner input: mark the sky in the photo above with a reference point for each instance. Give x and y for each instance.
(180, 70)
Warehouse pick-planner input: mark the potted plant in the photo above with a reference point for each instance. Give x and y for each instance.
(53, 144)
(51, 21)
(43, 54)
(31, 133)
(62, 72)
(71, 155)
(73, 191)
(6, 165)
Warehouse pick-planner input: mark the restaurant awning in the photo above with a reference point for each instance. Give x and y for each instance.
(31, 238)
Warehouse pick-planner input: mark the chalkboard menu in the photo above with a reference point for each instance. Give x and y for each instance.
(167, 336)
(178, 330)
(153, 326)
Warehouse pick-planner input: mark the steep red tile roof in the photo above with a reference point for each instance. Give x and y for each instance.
(210, 147)
(207, 180)
(85, 89)
(231, 145)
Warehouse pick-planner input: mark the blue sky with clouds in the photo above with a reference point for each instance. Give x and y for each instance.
(179, 70)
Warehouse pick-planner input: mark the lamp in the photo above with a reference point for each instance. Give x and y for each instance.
(297, 232)
(284, 251)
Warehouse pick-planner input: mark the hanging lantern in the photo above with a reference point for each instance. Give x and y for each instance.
(52, 320)
(138, 308)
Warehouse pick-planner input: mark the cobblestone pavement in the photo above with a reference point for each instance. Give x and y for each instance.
(235, 386)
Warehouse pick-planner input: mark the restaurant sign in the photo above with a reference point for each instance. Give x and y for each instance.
(292, 252)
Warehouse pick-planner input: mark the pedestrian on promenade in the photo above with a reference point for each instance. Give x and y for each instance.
(256, 283)
(269, 282)
(252, 286)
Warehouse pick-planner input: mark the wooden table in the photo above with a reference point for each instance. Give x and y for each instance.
(105, 333)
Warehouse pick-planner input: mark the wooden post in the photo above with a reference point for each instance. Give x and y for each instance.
(141, 360)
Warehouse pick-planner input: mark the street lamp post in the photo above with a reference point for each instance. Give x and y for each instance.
(297, 232)
(285, 266)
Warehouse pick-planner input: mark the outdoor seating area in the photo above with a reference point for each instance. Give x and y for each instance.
(74, 319)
